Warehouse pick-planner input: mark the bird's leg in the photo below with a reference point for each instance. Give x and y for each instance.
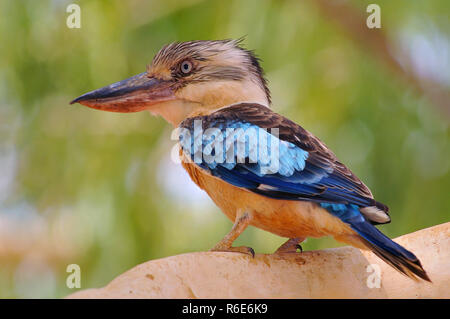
(240, 224)
(290, 246)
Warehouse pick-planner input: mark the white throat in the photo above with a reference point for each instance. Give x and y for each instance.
(205, 98)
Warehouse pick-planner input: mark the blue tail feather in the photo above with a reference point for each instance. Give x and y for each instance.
(395, 255)
(373, 235)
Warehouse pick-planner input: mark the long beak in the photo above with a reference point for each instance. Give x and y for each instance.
(131, 95)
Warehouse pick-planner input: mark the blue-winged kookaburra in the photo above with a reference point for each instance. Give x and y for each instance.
(259, 167)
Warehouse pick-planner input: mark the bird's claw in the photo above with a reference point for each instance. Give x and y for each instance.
(241, 249)
(290, 246)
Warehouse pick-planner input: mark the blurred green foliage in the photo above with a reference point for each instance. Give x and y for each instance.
(96, 189)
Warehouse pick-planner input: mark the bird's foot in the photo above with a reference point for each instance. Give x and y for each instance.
(241, 249)
(242, 221)
(290, 246)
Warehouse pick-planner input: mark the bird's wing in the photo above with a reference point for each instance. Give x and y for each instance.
(250, 146)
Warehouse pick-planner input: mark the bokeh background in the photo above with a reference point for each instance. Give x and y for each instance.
(99, 190)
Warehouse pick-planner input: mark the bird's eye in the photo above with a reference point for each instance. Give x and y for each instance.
(186, 67)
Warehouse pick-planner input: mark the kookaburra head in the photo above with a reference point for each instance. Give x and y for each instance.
(187, 78)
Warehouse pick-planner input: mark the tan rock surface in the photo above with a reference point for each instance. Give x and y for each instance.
(330, 273)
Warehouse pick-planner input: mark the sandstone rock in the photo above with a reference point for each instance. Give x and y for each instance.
(330, 273)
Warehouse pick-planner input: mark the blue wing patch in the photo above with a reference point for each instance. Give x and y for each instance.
(238, 145)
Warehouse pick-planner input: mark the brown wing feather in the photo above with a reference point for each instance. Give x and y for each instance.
(336, 177)
(293, 133)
